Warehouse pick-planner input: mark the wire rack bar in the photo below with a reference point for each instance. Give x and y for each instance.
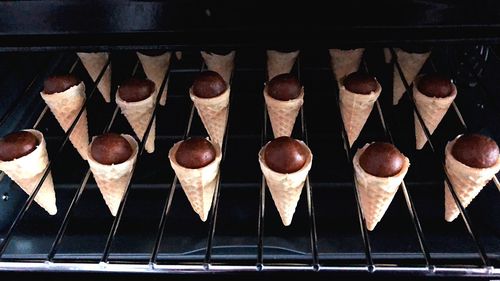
(463, 212)
(409, 201)
(168, 203)
(215, 202)
(27, 90)
(364, 231)
(142, 144)
(76, 198)
(309, 193)
(47, 170)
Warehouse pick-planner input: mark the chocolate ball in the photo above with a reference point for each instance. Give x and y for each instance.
(135, 89)
(475, 151)
(195, 153)
(285, 155)
(435, 85)
(360, 83)
(381, 159)
(284, 87)
(209, 84)
(110, 148)
(59, 83)
(16, 145)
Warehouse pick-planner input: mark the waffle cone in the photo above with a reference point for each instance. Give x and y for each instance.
(466, 181)
(432, 110)
(113, 180)
(375, 193)
(198, 184)
(387, 55)
(27, 172)
(65, 106)
(355, 109)
(222, 64)
(345, 62)
(410, 63)
(283, 113)
(213, 113)
(94, 62)
(279, 63)
(138, 115)
(285, 188)
(155, 68)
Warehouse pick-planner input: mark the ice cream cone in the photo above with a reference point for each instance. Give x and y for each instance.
(155, 68)
(355, 109)
(375, 193)
(113, 180)
(410, 63)
(65, 106)
(283, 113)
(278, 62)
(27, 171)
(94, 62)
(138, 115)
(345, 62)
(432, 111)
(222, 64)
(198, 184)
(213, 113)
(285, 188)
(466, 181)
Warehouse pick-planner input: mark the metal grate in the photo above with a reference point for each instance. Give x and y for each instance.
(262, 257)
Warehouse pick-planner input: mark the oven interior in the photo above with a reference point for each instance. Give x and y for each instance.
(156, 228)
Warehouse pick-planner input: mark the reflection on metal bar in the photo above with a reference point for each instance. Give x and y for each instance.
(364, 232)
(408, 199)
(215, 202)
(186, 268)
(168, 203)
(262, 201)
(463, 212)
(78, 194)
(47, 170)
(20, 97)
(309, 194)
(142, 144)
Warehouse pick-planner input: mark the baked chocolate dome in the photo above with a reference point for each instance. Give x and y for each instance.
(195, 153)
(381, 159)
(16, 145)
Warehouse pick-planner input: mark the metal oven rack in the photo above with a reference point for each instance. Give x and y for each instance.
(268, 249)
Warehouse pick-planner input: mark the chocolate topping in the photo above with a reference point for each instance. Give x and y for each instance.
(16, 145)
(381, 159)
(475, 151)
(435, 85)
(285, 155)
(209, 84)
(59, 83)
(134, 89)
(110, 148)
(195, 153)
(284, 87)
(360, 83)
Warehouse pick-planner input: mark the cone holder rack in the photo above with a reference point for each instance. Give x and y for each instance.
(483, 267)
